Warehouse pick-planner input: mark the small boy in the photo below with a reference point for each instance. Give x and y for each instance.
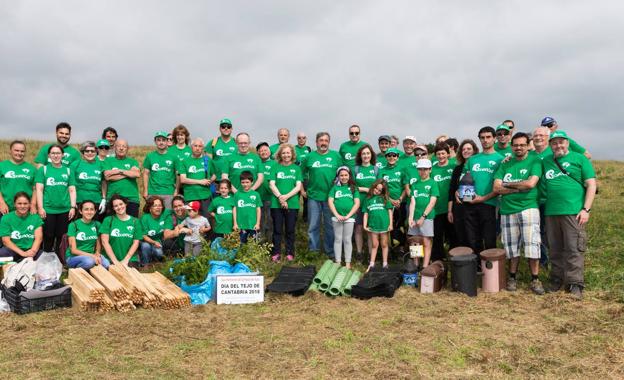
(247, 208)
(197, 226)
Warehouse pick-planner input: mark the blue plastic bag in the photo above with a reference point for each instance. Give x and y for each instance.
(225, 254)
(202, 293)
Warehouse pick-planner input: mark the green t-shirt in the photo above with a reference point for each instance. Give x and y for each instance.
(273, 149)
(564, 195)
(126, 187)
(86, 235)
(20, 229)
(505, 152)
(162, 172)
(155, 228)
(321, 171)
(70, 155)
(15, 178)
(344, 198)
(122, 233)
(181, 153)
(246, 203)
(393, 176)
(264, 190)
(517, 171)
(378, 216)
(442, 176)
(238, 163)
(196, 168)
(222, 209)
(220, 150)
(286, 178)
(575, 147)
(301, 152)
(541, 190)
(422, 191)
(348, 150)
(382, 162)
(56, 182)
(364, 177)
(482, 167)
(88, 180)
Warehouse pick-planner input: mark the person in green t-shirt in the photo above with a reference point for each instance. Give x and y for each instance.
(160, 169)
(174, 244)
(443, 230)
(516, 182)
(283, 136)
(247, 208)
(423, 197)
(221, 209)
(56, 200)
(70, 154)
(553, 126)
(243, 160)
(285, 181)
(480, 214)
(301, 151)
(181, 139)
(394, 176)
(348, 149)
(197, 173)
(83, 236)
(121, 233)
(265, 154)
(384, 144)
(344, 203)
(378, 220)
(88, 174)
(157, 226)
(365, 172)
(121, 173)
(16, 175)
(570, 184)
(222, 147)
(21, 231)
(503, 136)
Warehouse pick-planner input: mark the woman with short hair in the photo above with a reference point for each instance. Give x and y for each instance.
(21, 231)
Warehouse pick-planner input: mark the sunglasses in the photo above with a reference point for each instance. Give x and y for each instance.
(225, 126)
(549, 125)
(104, 147)
(392, 155)
(354, 133)
(502, 133)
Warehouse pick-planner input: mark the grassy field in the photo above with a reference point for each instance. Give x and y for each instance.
(445, 335)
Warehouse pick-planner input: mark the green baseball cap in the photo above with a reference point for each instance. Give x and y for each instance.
(102, 142)
(559, 134)
(503, 126)
(393, 150)
(161, 134)
(225, 121)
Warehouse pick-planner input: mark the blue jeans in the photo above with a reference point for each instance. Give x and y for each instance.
(150, 253)
(85, 262)
(316, 211)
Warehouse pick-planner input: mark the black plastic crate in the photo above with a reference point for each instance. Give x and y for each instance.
(24, 305)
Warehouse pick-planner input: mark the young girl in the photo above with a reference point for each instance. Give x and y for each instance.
(197, 226)
(221, 209)
(84, 242)
(344, 202)
(378, 220)
(423, 196)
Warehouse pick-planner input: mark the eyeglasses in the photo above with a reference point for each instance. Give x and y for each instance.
(104, 147)
(354, 133)
(502, 133)
(519, 145)
(225, 126)
(392, 155)
(169, 138)
(89, 151)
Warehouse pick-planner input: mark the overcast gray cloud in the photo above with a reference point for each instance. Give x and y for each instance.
(402, 67)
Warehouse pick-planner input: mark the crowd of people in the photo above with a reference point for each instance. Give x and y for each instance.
(534, 190)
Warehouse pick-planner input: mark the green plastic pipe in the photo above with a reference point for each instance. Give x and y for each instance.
(338, 281)
(353, 280)
(314, 287)
(324, 268)
(329, 277)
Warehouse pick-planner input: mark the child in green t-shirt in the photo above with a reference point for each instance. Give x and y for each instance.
(247, 208)
(378, 220)
(344, 203)
(423, 196)
(221, 208)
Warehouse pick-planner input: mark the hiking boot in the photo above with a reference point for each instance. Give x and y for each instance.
(512, 285)
(536, 287)
(553, 287)
(576, 291)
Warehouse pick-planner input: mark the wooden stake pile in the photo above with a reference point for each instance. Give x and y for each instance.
(122, 288)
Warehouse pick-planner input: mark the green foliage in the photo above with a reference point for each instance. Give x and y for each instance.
(256, 254)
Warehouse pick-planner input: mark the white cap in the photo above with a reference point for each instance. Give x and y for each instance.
(423, 163)
(409, 138)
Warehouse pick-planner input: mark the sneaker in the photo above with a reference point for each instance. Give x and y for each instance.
(276, 258)
(553, 287)
(536, 287)
(290, 257)
(512, 285)
(576, 291)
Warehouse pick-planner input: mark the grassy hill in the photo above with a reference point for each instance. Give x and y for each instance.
(445, 335)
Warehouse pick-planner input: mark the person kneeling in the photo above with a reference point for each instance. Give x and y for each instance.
(84, 241)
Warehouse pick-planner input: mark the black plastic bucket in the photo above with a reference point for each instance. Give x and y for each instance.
(464, 269)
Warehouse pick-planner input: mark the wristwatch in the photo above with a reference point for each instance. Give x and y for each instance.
(587, 210)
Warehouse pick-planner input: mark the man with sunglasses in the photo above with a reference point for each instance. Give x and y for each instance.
(502, 146)
(222, 147)
(551, 124)
(393, 175)
(348, 149)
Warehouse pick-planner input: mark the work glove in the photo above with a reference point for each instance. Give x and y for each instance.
(102, 207)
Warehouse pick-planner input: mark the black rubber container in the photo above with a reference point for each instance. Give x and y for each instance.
(464, 269)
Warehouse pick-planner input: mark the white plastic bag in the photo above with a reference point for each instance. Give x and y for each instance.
(47, 271)
(4, 306)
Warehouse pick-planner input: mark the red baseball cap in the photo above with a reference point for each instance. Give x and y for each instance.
(194, 205)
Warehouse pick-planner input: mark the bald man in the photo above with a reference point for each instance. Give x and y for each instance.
(122, 172)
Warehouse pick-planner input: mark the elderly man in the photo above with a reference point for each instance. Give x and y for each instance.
(241, 161)
(122, 172)
(16, 175)
(221, 147)
(320, 166)
(542, 151)
(283, 136)
(552, 125)
(159, 171)
(196, 175)
(516, 180)
(348, 149)
(570, 185)
(70, 154)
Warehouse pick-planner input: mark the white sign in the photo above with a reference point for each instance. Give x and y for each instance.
(239, 288)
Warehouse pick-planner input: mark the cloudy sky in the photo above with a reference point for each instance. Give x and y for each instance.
(402, 67)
